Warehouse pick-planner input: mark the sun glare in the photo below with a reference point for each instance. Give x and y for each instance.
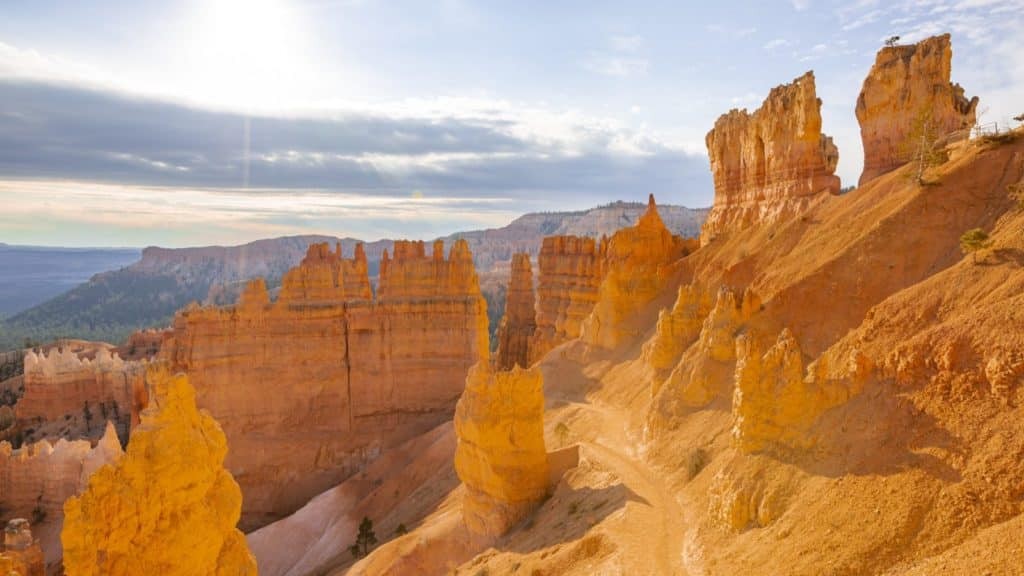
(247, 53)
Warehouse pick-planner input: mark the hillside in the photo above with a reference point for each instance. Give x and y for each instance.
(112, 304)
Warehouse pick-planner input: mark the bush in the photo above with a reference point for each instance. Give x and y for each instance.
(973, 241)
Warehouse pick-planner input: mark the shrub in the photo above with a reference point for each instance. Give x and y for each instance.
(973, 241)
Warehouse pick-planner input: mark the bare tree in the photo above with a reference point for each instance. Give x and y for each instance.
(922, 145)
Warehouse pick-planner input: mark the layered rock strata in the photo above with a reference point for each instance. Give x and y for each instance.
(76, 397)
(36, 480)
(168, 506)
(312, 387)
(636, 262)
(908, 86)
(20, 554)
(520, 320)
(571, 269)
(500, 456)
(771, 164)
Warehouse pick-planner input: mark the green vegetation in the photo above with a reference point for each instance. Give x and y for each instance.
(972, 241)
(365, 539)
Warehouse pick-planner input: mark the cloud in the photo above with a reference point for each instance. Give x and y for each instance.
(465, 151)
(631, 43)
(617, 66)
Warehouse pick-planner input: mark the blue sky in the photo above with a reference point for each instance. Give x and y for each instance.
(221, 121)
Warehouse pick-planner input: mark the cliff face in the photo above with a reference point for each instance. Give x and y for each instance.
(571, 270)
(770, 165)
(909, 85)
(36, 479)
(500, 456)
(168, 506)
(636, 263)
(70, 396)
(520, 320)
(308, 389)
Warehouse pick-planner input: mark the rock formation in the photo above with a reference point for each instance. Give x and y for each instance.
(20, 554)
(312, 387)
(36, 479)
(678, 328)
(500, 456)
(168, 506)
(636, 267)
(75, 397)
(908, 85)
(770, 165)
(570, 274)
(520, 321)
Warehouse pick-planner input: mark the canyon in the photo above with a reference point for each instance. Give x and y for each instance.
(818, 383)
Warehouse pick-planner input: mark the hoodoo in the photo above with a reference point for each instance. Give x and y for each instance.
(520, 321)
(772, 164)
(908, 85)
(501, 456)
(168, 506)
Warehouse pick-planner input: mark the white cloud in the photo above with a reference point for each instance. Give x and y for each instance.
(617, 66)
(631, 43)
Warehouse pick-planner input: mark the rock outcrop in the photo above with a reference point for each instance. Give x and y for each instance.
(520, 320)
(20, 554)
(772, 164)
(908, 85)
(36, 480)
(500, 456)
(636, 265)
(71, 396)
(570, 273)
(310, 388)
(168, 506)
(677, 328)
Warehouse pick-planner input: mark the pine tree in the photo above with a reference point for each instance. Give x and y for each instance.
(365, 539)
(972, 241)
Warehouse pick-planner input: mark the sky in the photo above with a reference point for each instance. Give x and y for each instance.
(133, 123)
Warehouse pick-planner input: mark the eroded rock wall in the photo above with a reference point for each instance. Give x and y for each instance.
(771, 164)
(571, 269)
(909, 85)
(500, 456)
(168, 506)
(520, 320)
(308, 389)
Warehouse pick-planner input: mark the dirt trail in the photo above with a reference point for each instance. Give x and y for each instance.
(656, 528)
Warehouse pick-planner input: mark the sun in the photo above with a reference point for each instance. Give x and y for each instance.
(247, 53)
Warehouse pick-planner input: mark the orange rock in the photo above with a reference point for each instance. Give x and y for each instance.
(500, 456)
(309, 390)
(770, 165)
(67, 392)
(677, 328)
(520, 320)
(20, 554)
(904, 83)
(570, 274)
(324, 276)
(168, 506)
(636, 272)
(36, 479)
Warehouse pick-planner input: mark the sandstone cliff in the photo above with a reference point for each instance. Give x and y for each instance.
(310, 388)
(570, 273)
(20, 554)
(772, 164)
(36, 480)
(637, 269)
(520, 320)
(908, 85)
(75, 397)
(500, 456)
(168, 506)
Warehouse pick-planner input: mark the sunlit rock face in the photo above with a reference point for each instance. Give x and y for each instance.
(520, 320)
(500, 456)
(771, 164)
(20, 553)
(168, 506)
(570, 273)
(36, 479)
(908, 85)
(311, 387)
(78, 396)
(636, 265)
